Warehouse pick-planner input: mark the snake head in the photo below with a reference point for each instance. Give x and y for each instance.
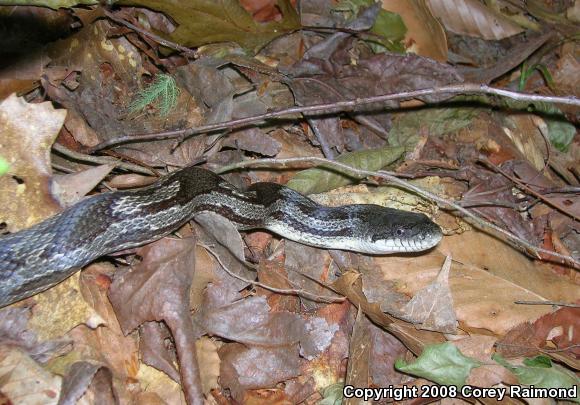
(394, 231)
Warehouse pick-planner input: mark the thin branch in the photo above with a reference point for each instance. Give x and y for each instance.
(101, 160)
(360, 173)
(556, 303)
(156, 38)
(300, 292)
(345, 105)
(524, 187)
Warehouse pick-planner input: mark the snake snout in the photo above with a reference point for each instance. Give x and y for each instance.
(429, 233)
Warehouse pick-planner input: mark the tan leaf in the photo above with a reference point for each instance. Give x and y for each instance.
(471, 17)
(425, 35)
(72, 187)
(432, 306)
(117, 351)
(59, 309)
(481, 300)
(153, 381)
(23, 381)
(28, 132)
(349, 285)
(357, 374)
(209, 363)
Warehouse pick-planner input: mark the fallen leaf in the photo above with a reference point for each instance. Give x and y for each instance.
(442, 363)
(318, 180)
(425, 36)
(201, 23)
(29, 131)
(14, 332)
(385, 350)
(83, 375)
(349, 285)
(154, 351)
(22, 380)
(159, 291)
(209, 363)
(529, 338)
(72, 187)
(470, 17)
(244, 368)
(106, 343)
(158, 387)
(60, 309)
(432, 307)
(357, 374)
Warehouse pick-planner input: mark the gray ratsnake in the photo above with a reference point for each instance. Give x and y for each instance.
(39, 257)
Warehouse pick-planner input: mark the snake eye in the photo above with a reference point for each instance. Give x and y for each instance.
(400, 231)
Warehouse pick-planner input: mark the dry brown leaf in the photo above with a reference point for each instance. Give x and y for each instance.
(253, 140)
(251, 322)
(479, 347)
(328, 368)
(158, 290)
(154, 351)
(432, 307)
(523, 130)
(386, 349)
(28, 132)
(503, 261)
(14, 332)
(244, 368)
(71, 188)
(60, 309)
(83, 376)
(425, 35)
(205, 268)
(557, 327)
(567, 74)
(273, 274)
(158, 388)
(109, 70)
(304, 265)
(225, 233)
(349, 285)
(108, 345)
(490, 375)
(471, 17)
(481, 300)
(23, 381)
(209, 363)
(358, 372)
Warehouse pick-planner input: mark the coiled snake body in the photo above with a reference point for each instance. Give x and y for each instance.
(37, 258)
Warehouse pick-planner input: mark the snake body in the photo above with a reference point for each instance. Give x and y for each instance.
(39, 257)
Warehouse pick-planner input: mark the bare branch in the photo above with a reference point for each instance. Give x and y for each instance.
(300, 292)
(101, 160)
(359, 173)
(338, 106)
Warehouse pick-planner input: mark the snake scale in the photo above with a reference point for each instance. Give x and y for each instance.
(39, 257)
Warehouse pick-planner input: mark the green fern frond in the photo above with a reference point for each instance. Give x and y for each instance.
(162, 91)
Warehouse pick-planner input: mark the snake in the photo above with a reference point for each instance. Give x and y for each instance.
(39, 257)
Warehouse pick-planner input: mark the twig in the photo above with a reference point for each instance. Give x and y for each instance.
(102, 160)
(300, 292)
(557, 303)
(345, 105)
(156, 38)
(524, 187)
(360, 173)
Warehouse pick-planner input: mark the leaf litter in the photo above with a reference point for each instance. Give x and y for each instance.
(211, 314)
